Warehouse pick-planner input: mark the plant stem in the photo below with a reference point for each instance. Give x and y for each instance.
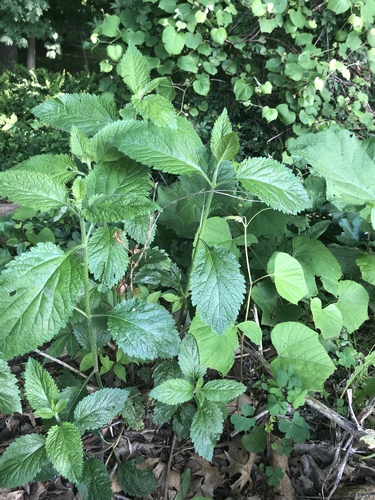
(93, 346)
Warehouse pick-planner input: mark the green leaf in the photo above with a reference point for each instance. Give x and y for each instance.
(110, 26)
(297, 429)
(340, 158)
(33, 189)
(317, 260)
(144, 330)
(217, 287)
(39, 290)
(108, 256)
(222, 391)
(65, 450)
(274, 184)
(10, 401)
(95, 482)
(125, 177)
(298, 347)
(256, 441)
(116, 208)
(41, 389)
(174, 391)
(114, 52)
(219, 35)
(157, 109)
(173, 41)
(289, 277)
(188, 359)
(163, 149)
(252, 331)
(353, 304)
(134, 481)
(202, 84)
(242, 90)
(327, 320)
(134, 69)
(97, 409)
(366, 264)
(270, 114)
(88, 112)
(209, 344)
(217, 232)
(339, 6)
(22, 460)
(80, 145)
(60, 168)
(222, 127)
(206, 428)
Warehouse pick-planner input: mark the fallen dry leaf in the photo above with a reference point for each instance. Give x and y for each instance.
(240, 462)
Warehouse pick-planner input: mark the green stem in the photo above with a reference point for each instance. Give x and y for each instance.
(93, 346)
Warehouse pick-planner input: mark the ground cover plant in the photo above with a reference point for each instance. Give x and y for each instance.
(180, 253)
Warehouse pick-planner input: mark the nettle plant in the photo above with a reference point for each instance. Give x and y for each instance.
(176, 240)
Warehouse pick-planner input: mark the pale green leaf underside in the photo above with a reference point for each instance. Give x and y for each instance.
(209, 344)
(206, 428)
(22, 460)
(41, 389)
(97, 409)
(65, 450)
(144, 330)
(39, 290)
(340, 158)
(33, 189)
(274, 184)
(289, 277)
(252, 331)
(88, 112)
(95, 482)
(108, 256)
(10, 401)
(217, 287)
(174, 151)
(298, 347)
(174, 391)
(60, 168)
(327, 320)
(353, 304)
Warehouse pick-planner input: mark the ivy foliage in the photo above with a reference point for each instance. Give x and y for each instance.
(304, 64)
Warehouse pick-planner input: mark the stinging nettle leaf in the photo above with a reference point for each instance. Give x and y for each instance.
(97, 409)
(65, 450)
(188, 359)
(10, 401)
(224, 143)
(157, 109)
(41, 389)
(274, 184)
(33, 189)
(144, 330)
(117, 208)
(206, 428)
(134, 69)
(95, 482)
(108, 256)
(217, 287)
(136, 482)
(88, 112)
(22, 460)
(39, 290)
(163, 149)
(222, 391)
(60, 168)
(174, 391)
